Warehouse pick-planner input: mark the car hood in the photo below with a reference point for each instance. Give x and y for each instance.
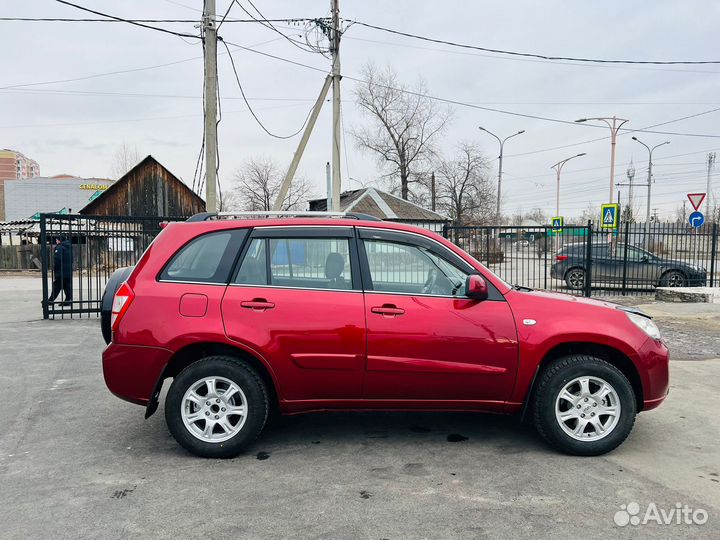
(562, 297)
(672, 262)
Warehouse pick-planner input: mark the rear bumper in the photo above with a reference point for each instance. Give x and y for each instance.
(131, 371)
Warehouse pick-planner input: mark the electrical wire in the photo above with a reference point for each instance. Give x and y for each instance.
(267, 24)
(479, 107)
(120, 19)
(252, 112)
(532, 55)
(120, 72)
(518, 59)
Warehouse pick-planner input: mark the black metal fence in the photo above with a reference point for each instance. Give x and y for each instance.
(96, 247)
(583, 260)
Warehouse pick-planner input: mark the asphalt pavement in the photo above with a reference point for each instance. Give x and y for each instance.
(76, 462)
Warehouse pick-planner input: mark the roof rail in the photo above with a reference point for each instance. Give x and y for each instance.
(206, 216)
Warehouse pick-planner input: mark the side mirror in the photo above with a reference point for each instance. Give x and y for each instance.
(645, 259)
(476, 287)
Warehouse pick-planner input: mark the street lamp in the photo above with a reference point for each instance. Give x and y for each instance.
(500, 161)
(558, 167)
(649, 181)
(614, 128)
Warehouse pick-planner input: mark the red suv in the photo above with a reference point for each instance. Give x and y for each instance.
(321, 313)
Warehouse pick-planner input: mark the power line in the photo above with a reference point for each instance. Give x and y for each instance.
(474, 106)
(517, 59)
(120, 19)
(533, 55)
(184, 21)
(120, 72)
(267, 24)
(252, 112)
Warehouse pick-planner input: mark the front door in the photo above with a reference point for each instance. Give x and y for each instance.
(425, 340)
(296, 299)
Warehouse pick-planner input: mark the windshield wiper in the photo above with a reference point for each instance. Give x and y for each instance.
(522, 288)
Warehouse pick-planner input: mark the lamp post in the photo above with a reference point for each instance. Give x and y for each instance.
(649, 182)
(614, 123)
(500, 164)
(558, 167)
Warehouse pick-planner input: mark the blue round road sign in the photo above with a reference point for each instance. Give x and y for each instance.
(696, 219)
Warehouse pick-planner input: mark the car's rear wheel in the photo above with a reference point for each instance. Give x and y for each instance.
(575, 279)
(673, 278)
(216, 407)
(584, 405)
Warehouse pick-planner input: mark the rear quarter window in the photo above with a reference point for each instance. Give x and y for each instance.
(205, 259)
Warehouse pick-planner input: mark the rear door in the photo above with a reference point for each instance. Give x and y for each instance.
(425, 340)
(296, 298)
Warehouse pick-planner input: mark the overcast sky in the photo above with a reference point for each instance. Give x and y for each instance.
(76, 127)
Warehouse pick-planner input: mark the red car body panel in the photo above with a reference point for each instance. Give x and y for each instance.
(328, 349)
(439, 349)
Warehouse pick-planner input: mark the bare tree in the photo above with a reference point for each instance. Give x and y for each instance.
(404, 124)
(465, 192)
(257, 184)
(124, 159)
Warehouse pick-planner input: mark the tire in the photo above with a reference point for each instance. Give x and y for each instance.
(192, 407)
(569, 436)
(575, 278)
(673, 278)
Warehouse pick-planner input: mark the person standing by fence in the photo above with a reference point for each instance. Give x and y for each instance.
(62, 271)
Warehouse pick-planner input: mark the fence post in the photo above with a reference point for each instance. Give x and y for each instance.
(713, 254)
(44, 265)
(445, 230)
(588, 260)
(625, 255)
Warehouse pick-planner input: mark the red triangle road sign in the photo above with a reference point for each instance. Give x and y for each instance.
(696, 199)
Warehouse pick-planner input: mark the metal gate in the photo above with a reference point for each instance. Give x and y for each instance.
(583, 260)
(92, 248)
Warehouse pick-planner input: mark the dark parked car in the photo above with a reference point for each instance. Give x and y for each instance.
(643, 268)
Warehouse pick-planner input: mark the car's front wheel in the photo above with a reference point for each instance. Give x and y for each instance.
(584, 405)
(575, 279)
(216, 407)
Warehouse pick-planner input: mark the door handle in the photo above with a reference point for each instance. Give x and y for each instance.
(257, 304)
(387, 310)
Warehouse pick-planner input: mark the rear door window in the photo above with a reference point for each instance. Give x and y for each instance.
(307, 263)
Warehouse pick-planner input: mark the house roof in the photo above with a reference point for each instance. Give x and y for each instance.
(119, 185)
(380, 204)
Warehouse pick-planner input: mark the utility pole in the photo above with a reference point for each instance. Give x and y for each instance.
(649, 184)
(708, 189)
(335, 50)
(631, 178)
(210, 50)
(432, 191)
(500, 164)
(614, 124)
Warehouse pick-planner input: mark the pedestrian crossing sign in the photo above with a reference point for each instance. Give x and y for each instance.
(557, 223)
(609, 214)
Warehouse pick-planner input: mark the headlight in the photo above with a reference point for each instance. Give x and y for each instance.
(644, 324)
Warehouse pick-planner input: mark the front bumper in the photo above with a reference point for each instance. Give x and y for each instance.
(654, 360)
(131, 371)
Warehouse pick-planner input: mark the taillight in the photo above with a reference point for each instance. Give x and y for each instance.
(562, 257)
(121, 302)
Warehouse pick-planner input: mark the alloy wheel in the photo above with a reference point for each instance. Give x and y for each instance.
(587, 408)
(214, 409)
